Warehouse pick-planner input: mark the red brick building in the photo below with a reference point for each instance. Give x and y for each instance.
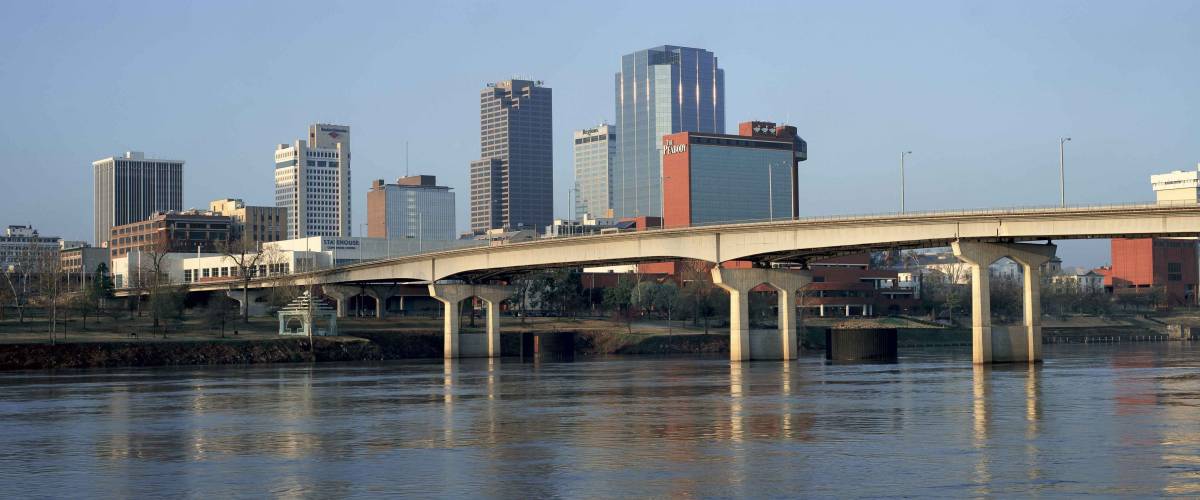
(1147, 263)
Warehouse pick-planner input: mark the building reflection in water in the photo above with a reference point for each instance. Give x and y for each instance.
(980, 388)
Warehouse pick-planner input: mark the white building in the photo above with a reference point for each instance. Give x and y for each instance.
(130, 188)
(312, 181)
(1082, 281)
(1177, 186)
(415, 207)
(23, 246)
(595, 149)
(280, 258)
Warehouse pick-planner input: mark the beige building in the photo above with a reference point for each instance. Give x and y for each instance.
(1178, 186)
(255, 223)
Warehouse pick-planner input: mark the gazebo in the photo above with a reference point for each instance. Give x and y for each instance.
(299, 309)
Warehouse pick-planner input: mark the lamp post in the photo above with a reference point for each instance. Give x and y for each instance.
(771, 191)
(902, 155)
(1062, 176)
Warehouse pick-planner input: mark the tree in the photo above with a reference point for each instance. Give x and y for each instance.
(166, 305)
(95, 295)
(49, 286)
(152, 278)
(246, 258)
(20, 278)
(617, 301)
(219, 312)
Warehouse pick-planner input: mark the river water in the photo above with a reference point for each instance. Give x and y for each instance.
(1120, 420)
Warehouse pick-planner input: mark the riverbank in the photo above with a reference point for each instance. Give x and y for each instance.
(416, 338)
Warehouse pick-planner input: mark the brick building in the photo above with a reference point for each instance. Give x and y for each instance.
(179, 231)
(1143, 264)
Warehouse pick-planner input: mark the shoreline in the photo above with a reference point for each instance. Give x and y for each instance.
(382, 346)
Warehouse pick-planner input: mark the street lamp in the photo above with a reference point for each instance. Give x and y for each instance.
(1062, 177)
(902, 155)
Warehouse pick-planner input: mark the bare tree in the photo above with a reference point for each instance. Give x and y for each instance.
(49, 286)
(151, 277)
(19, 278)
(246, 258)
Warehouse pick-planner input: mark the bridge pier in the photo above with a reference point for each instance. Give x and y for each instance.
(255, 308)
(341, 295)
(451, 295)
(744, 344)
(1004, 344)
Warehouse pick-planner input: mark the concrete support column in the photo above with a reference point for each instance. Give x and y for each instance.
(822, 310)
(739, 324)
(847, 310)
(380, 300)
(493, 295)
(340, 294)
(787, 324)
(451, 296)
(1004, 344)
(745, 345)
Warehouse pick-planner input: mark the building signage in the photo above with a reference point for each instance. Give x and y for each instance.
(336, 244)
(672, 148)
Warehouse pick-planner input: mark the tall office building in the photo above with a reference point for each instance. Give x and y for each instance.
(660, 91)
(595, 149)
(312, 181)
(512, 184)
(131, 187)
(414, 207)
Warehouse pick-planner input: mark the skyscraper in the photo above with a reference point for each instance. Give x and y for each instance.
(312, 181)
(512, 184)
(660, 91)
(413, 207)
(595, 149)
(130, 188)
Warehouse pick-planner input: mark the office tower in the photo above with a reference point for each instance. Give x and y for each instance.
(512, 184)
(414, 207)
(131, 187)
(312, 181)
(595, 149)
(660, 91)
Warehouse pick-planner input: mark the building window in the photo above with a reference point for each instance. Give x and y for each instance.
(1174, 271)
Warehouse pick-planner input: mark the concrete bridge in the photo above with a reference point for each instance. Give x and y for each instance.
(978, 237)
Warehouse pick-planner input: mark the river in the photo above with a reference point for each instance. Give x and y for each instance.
(1118, 420)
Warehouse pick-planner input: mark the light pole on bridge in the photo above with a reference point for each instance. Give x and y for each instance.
(902, 155)
(1062, 177)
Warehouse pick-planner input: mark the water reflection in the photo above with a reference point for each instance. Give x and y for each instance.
(1094, 421)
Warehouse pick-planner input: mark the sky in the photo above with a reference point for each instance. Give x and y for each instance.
(979, 91)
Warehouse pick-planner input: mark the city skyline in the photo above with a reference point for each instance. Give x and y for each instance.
(966, 119)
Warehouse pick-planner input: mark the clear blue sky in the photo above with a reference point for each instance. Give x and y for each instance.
(980, 91)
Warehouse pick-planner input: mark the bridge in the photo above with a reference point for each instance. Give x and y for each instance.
(978, 237)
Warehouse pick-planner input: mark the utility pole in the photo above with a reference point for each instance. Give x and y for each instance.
(902, 155)
(1062, 176)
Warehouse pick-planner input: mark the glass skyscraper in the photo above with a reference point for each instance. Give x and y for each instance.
(660, 91)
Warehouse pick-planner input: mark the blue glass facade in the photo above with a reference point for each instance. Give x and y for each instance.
(660, 91)
(740, 184)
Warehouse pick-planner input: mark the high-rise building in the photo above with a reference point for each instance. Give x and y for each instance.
(312, 181)
(660, 91)
(251, 223)
(413, 207)
(595, 149)
(512, 184)
(129, 188)
(719, 178)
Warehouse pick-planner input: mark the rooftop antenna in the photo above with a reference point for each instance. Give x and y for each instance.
(406, 158)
